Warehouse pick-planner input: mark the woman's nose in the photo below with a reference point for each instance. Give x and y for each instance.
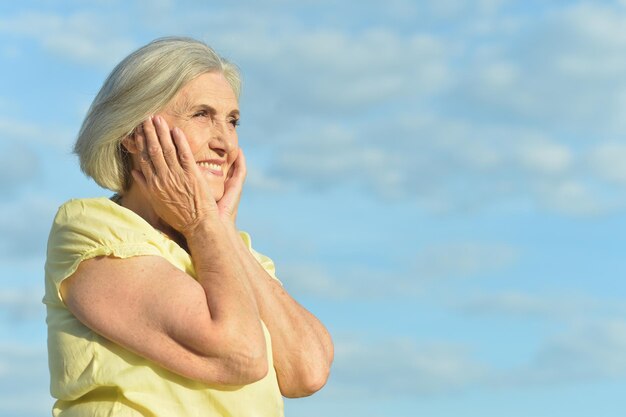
(222, 139)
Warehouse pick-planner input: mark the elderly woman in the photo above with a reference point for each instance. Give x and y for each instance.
(157, 305)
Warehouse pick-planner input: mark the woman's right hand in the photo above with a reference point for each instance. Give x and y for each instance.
(233, 186)
(170, 178)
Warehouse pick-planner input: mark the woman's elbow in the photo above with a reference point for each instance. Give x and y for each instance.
(315, 381)
(242, 359)
(255, 368)
(307, 383)
(228, 375)
(236, 369)
(249, 362)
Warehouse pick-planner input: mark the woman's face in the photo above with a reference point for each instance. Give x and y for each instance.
(207, 111)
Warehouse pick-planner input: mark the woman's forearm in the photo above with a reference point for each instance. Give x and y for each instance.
(302, 347)
(230, 297)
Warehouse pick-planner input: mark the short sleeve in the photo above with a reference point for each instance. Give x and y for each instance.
(265, 261)
(85, 229)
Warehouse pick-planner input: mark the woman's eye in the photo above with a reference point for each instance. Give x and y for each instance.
(200, 114)
(234, 122)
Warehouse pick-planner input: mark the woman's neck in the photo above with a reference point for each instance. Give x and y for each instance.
(134, 200)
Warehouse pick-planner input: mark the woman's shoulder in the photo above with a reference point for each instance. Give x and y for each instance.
(98, 209)
(87, 228)
(100, 226)
(101, 217)
(88, 206)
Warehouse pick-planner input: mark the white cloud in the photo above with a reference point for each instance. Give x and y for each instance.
(430, 269)
(24, 380)
(600, 29)
(85, 38)
(24, 226)
(563, 307)
(587, 352)
(546, 158)
(313, 280)
(588, 347)
(348, 283)
(608, 161)
(499, 75)
(576, 198)
(18, 131)
(449, 8)
(449, 165)
(563, 71)
(21, 304)
(403, 368)
(260, 181)
(18, 166)
(445, 164)
(328, 71)
(462, 260)
(366, 166)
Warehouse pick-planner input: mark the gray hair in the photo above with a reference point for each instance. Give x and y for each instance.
(141, 85)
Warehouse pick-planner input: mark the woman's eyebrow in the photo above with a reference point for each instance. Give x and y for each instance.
(210, 109)
(201, 106)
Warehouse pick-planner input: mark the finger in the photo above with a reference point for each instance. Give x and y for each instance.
(165, 140)
(145, 164)
(234, 186)
(240, 169)
(231, 170)
(153, 147)
(185, 155)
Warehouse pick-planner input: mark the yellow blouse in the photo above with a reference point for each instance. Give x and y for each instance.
(92, 376)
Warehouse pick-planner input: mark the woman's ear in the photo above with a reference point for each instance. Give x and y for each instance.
(129, 143)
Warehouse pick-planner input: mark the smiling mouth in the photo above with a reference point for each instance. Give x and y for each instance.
(211, 167)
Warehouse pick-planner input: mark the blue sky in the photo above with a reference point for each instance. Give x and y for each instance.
(442, 183)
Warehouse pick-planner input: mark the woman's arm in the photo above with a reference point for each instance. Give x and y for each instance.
(302, 347)
(153, 309)
(207, 330)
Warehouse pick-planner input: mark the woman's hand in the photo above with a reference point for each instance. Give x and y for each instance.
(170, 178)
(233, 186)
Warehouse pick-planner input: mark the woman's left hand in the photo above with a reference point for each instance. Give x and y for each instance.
(233, 187)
